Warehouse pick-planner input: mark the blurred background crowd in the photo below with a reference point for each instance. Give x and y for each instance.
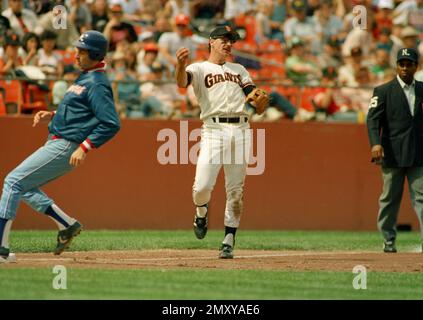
(318, 59)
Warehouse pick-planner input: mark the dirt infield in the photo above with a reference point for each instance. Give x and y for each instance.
(244, 260)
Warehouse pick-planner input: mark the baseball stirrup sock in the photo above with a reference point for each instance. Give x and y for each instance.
(230, 230)
(62, 220)
(202, 210)
(5, 226)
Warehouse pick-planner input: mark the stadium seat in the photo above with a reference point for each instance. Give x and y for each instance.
(34, 99)
(2, 105)
(12, 95)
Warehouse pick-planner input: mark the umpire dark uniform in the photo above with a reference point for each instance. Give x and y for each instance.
(395, 129)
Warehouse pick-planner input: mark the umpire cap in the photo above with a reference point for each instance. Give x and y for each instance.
(408, 54)
(95, 43)
(224, 31)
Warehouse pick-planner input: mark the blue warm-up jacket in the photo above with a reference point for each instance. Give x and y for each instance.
(87, 113)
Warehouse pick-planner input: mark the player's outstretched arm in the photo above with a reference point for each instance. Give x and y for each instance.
(41, 115)
(182, 56)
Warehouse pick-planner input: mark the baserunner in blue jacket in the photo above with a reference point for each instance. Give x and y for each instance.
(85, 119)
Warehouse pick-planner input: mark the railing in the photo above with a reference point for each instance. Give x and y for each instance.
(19, 96)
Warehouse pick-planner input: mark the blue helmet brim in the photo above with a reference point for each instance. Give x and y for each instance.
(81, 45)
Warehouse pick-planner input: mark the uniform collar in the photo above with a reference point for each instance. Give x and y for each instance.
(403, 84)
(100, 67)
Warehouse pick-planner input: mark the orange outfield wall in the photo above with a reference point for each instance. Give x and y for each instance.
(317, 177)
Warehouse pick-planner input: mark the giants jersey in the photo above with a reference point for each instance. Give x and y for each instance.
(219, 88)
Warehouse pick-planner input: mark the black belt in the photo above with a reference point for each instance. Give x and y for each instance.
(229, 120)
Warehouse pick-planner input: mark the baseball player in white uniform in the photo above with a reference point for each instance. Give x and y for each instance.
(221, 88)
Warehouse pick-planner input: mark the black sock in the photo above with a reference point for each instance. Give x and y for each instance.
(230, 230)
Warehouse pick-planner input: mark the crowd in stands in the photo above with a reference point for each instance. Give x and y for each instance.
(318, 59)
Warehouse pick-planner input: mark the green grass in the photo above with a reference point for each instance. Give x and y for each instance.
(36, 283)
(43, 241)
(205, 285)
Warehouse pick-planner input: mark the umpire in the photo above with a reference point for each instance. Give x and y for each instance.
(395, 129)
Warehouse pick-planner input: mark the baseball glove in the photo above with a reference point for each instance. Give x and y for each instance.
(260, 99)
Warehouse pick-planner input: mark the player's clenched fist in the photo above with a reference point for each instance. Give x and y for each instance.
(40, 115)
(182, 56)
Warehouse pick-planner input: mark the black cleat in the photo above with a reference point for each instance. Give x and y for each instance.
(226, 251)
(65, 237)
(200, 226)
(389, 246)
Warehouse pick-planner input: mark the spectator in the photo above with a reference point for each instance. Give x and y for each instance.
(160, 99)
(331, 55)
(49, 61)
(10, 60)
(410, 37)
(169, 42)
(299, 68)
(4, 28)
(302, 26)
(145, 38)
(347, 71)
(283, 105)
(116, 29)
(381, 69)
(66, 37)
(328, 101)
(263, 26)
(415, 18)
(80, 15)
(359, 37)
(328, 22)
(132, 9)
(383, 17)
(161, 26)
(21, 20)
(31, 44)
(360, 95)
(125, 85)
(384, 41)
(396, 40)
(342, 104)
(174, 7)
(41, 7)
(277, 19)
(208, 9)
(144, 69)
(70, 74)
(99, 15)
(233, 9)
(402, 11)
(311, 7)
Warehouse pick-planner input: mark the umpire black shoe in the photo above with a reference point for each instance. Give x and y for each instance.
(65, 237)
(200, 226)
(389, 246)
(6, 256)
